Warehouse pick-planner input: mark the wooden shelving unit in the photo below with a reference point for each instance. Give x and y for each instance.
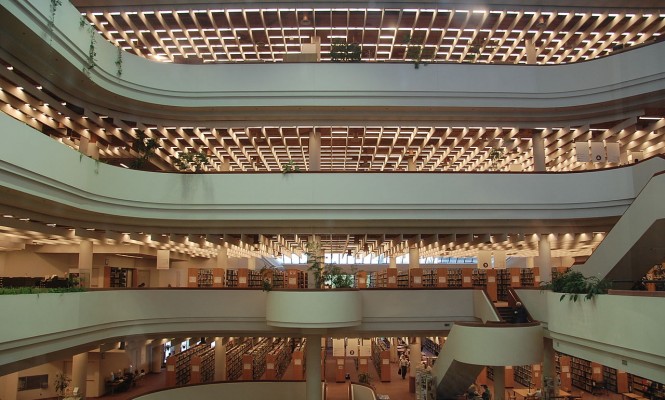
(203, 366)
(234, 360)
(415, 278)
(615, 381)
(403, 279)
(298, 359)
(454, 277)
(527, 277)
(430, 278)
(179, 368)
(479, 278)
(585, 374)
(431, 346)
(205, 278)
(528, 375)
(502, 284)
(278, 359)
(232, 278)
(119, 277)
(381, 358)
(646, 388)
(254, 361)
(509, 375)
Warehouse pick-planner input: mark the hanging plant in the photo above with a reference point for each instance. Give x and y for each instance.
(52, 9)
(574, 284)
(187, 160)
(91, 61)
(414, 51)
(495, 156)
(145, 147)
(290, 167)
(118, 62)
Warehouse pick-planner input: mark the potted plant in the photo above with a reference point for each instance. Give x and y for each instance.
(61, 384)
(574, 283)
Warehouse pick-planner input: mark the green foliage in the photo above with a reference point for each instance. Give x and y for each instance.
(36, 290)
(290, 167)
(364, 377)
(341, 51)
(91, 59)
(61, 383)
(118, 62)
(495, 155)
(266, 277)
(414, 51)
(53, 7)
(145, 147)
(574, 284)
(327, 274)
(187, 160)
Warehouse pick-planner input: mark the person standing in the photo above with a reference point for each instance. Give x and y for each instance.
(403, 365)
(519, 314)
(486, 395)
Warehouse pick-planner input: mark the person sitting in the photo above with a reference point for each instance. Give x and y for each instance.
(486, 395)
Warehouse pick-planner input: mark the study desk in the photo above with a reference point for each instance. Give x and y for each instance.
(529, 394)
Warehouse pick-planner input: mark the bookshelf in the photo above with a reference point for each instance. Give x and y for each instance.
(179, 368)
(232, 278)
(478, 278)
(234, 360)
(119, 277)
(205, 278)
(278, 359)
(502, 284)
(415, 278)
(254, 361)
(403, 279)
(381, 358)
(430, 278)
(455, 277)
(203, 366)
(615, 381)
(509, 375)
(527, 277)
(585, 374)
(298, 359)
(528, 375)
(431, 346)
(646, 388)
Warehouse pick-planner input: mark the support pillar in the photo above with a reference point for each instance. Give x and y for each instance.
(314, 250)
(222, 257)
(392, 262)
(80, 372)
(414, 257)
(314, 151)
(9, 386)
(531, 54)
(549, 365)
(157, 357)
(411, 164)
(313, 367)
(545, 258)
(499, 383)
(220, 359)
(538, 149)
(393, 349)
(85, 262)
(226, 166)
(251, 263)
(88, 147)
(415, 358)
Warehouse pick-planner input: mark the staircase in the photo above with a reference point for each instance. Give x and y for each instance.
(505, 313)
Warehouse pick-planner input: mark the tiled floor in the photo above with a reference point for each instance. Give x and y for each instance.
(397, 388)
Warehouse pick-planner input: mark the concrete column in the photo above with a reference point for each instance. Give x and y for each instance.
(414, 257)
(157, 357)
(9, 386)
(314, 151)
(80, 372)
(89, 147)
(415, 358)
(499, 383)
(85, 261)
(226, 166)
(251, 263)
(538, 150)
(393, 349)
(545, 258)
(531, 54)
(392, 262)
(411, 164)
(220, 359)
(315, 246)
(549, 364)
(222, 257)
(313, 367)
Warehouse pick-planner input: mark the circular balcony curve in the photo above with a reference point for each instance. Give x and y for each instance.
(314, 309)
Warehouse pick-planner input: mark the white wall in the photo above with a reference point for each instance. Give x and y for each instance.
(50, 369)
(27, 263)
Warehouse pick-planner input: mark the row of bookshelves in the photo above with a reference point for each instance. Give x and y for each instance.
(178, 366)
(431, 345)
(381, 358)
(234, 355)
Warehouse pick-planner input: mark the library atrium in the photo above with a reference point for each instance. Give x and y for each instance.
(401, 200)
